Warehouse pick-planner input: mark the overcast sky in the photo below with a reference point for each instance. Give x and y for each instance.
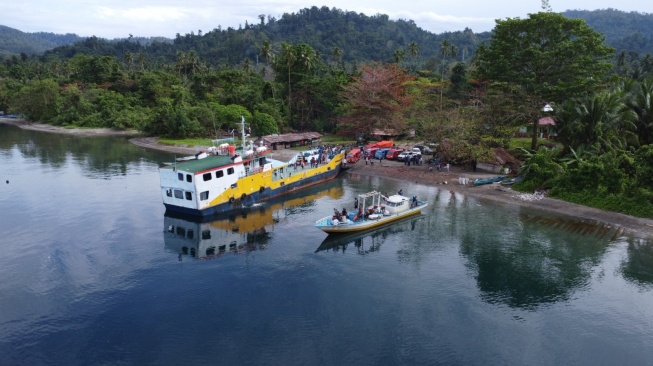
(147, 18)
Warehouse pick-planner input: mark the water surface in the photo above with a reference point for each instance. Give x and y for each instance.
(92, 271)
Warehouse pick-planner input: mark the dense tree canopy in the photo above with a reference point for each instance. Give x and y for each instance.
(375, 100)
(550, 57)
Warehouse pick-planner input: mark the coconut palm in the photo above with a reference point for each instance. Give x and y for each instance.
(641, 102)
(399, 55)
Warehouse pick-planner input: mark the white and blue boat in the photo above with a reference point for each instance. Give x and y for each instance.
(374, 210)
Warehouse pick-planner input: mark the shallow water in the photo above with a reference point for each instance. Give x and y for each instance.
(92, 271)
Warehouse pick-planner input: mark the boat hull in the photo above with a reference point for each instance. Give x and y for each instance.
(255, 197)
(370, 223)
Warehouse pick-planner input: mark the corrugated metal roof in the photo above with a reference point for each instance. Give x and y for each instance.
(546, 121)
(504, 157)
(194, 166)
(291, 137)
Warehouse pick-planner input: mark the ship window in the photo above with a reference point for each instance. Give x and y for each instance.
(234, 185)
(180, 176)
(219, 174)
(230, 171)
(190, 234)
(210, 251)
(179, 194)
(181, 231)
(189, 196)
(206, 234)
(189, 178)
(169, 192)
(207, 176)
(204, 196)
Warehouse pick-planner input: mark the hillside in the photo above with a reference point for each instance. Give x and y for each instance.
(625, 31)
(15, 42)
(354, 36)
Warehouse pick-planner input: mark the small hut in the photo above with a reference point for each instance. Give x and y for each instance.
(288, 140)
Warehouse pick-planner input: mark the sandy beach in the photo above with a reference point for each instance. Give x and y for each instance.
(639, 227)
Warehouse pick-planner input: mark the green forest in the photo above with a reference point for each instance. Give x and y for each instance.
(348, 74)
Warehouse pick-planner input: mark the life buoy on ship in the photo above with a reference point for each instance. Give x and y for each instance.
(231, 200)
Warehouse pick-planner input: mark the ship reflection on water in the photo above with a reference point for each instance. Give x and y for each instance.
(212, 239)
(245, 231)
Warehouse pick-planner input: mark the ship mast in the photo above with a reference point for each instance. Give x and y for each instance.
(242, 130)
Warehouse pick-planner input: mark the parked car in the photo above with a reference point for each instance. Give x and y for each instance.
(371, 152)
(380, 153)
(354, 155)
(402, 156)
(393, 153)
(424, 149)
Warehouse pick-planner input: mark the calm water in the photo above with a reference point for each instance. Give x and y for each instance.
(92, 271)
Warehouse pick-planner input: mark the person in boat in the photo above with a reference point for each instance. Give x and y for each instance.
(401, 192)
(356, 202)
(413, 203)
(359, 216)
(344, 212)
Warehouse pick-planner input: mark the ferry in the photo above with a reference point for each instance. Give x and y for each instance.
(374, 210)
(236, 178)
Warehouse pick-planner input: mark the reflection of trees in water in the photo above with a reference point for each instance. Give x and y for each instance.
(441, 228)
(106, 155)
(638, 267)
(524, 261)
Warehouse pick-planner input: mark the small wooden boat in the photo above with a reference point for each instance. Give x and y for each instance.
(374, 210)
(479, 182)
(510, 181)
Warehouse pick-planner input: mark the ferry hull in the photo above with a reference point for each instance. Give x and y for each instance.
(255, 197)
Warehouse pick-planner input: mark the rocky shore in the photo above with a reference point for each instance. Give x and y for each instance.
(638, 227)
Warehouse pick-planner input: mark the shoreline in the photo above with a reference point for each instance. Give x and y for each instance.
(639, 227)
(42, 127)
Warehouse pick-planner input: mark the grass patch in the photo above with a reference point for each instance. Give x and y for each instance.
(185, 142)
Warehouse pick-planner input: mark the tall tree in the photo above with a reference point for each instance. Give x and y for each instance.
(399, 55)
(551, 57)
(447, 49)
(375, 100)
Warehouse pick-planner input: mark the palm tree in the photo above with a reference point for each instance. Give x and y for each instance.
(446, 49)
(182, 60)
(337, 55)
(289, 56)
(247, 66)
(413, 50)
(141, 60)
(641, 102)
(129, 58)
(399, 55)
(266, 51)
(602, 122)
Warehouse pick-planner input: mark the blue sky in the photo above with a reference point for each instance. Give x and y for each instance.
(146, 18)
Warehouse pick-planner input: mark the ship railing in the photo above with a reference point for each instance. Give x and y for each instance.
(251, 172)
